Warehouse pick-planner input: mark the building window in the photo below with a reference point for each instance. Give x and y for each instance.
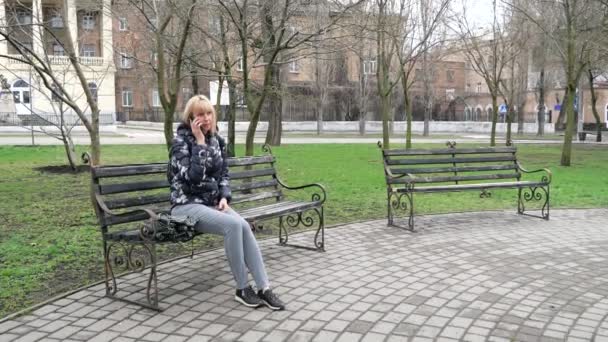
(153, 23)
(450, 94)
(468, 87)
(24, 17)
(369, 66)
(606, 117)
(26, 96)
(126, 62)
(215, 26)
(155, 98)
(294, 67)
(478, 89)
(239, 64)
(127, 97)
(122, 24)
(418, 76)
(88, 50)
(93, 90)
(27, 46)
(58, 49)
(240, 99)
(450, 75)
(154, 59)
(54, 93)
(186, 93)
(56, 20)
(88, 20)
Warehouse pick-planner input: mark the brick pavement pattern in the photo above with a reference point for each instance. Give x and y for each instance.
(492, 276)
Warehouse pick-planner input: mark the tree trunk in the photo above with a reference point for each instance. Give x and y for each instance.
(319, 117)
(194, 83)
(231, 119)
(541, 104)
(570, 123)
(596, 115)
(559, 123)
(68, 146)
(273, 135)
(408, 117)
(520, 117)
(494, 119)
(218, 98)
(510, 115)
(384, 110)
(168, 126)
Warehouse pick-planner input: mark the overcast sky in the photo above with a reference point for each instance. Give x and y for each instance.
(478, 11)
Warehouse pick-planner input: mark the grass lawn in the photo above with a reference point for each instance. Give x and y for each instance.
(50, 243)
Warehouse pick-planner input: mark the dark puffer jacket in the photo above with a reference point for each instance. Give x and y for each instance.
(198, 173)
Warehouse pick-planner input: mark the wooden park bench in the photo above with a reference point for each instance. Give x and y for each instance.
(138, 194)
(410, 171)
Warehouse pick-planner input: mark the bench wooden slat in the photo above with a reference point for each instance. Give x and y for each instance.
(441, 179)
(134, 216)
(243, 161)
(450, 160)
(256, 196)
(251, 173)
(463, 187)
(261, 213)
(244, 186)
(421, 152)
(134, 186)
(137, 201)
(128, 170)
(454, 169)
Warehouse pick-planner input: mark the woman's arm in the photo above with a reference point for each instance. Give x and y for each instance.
(224, 181)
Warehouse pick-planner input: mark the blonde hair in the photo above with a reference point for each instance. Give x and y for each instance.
(203, 103)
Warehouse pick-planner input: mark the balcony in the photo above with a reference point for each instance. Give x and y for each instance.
(64, 60)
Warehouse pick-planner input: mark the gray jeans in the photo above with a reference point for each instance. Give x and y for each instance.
(241, 247)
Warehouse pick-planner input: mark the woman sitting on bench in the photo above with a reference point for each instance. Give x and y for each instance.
(200, 190)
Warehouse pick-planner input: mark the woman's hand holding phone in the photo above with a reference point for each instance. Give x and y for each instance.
(195, 126)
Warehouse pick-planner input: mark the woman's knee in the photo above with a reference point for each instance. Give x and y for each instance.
(232, 226)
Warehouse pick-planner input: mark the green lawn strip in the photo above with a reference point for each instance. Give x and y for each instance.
(50, 241)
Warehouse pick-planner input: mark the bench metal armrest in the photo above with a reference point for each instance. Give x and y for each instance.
(546, 178)
(390, 175)
(109, 212)
(315, 197)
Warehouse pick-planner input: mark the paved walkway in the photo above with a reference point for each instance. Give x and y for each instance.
(493, 276)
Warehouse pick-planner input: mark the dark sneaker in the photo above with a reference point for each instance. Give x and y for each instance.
(271, 300)
(248, 297)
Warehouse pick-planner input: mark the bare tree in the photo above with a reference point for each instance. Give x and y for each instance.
(489, 52)
(388, 18)
(264, 36)
(29, 40)
(168, 26)
(577, 24)
(421, 20)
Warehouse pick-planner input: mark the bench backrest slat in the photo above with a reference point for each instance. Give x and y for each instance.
(421, 170)
(245, 161)
(130, 187)
(456, 160)
(241, 198)
(124, 188)
(447, 151)
(442, 179)
(450, 165)
(128, 202)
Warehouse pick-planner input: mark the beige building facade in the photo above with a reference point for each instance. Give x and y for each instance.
(41, 26)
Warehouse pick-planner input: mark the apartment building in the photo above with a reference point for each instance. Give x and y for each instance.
(41, 26)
